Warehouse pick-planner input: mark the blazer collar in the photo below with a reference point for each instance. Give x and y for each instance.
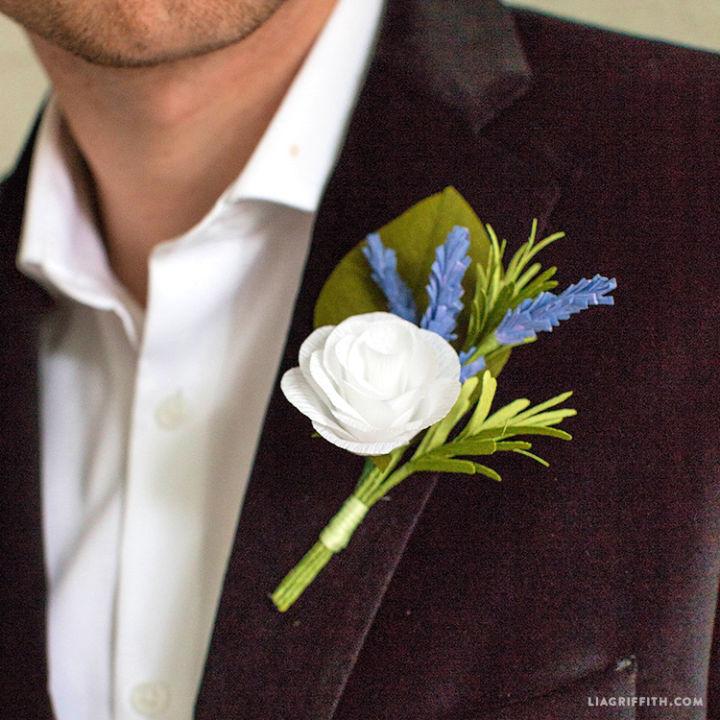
(441, 71)
(463, 55)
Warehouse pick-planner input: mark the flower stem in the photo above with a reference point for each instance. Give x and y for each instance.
(295, 582)
(336, 535)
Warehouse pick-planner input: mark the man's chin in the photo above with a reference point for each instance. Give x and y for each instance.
(141, 33)
(140, 57)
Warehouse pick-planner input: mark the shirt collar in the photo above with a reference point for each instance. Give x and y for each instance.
(59, 244)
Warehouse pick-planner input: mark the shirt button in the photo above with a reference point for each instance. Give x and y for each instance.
(150, 699)
(171, 412)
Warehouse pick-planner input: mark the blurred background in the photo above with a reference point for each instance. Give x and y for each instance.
(695, 23)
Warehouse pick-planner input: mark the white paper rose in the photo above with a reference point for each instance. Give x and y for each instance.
(371, 383)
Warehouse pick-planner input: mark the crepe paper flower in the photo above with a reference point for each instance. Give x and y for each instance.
(470, 367)
(373, 382)
(546, 311)
(378, 385)
(445, 288)
(383, 263)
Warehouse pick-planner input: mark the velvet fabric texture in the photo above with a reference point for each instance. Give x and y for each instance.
(461, 598)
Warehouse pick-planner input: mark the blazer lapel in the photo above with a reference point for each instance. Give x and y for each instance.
(415, 130)
(22, 591)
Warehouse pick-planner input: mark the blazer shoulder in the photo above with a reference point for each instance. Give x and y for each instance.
(555, 47)
(621, 103)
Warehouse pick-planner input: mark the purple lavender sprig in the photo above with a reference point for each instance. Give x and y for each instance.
(383, 263)
(445, 288)
(545, 312)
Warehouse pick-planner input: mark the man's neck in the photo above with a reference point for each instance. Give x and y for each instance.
(163, 143)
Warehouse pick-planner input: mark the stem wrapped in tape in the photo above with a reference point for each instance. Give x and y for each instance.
(336, 536)
(333, 539)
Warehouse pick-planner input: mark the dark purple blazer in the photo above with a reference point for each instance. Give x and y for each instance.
(462, 598)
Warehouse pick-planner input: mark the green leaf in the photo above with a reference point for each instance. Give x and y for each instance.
(527, 276)
(541, 283)
(549, 240)
(518, 261)
(549, 418)
(512, 446)
(436, 464)
(498, 433)
(499, 308)
(506, 413)
(552, 402)
(539, 430)
(533, 456)
(484, 403)
(414, 236)
(478, 311)
(465, 447)
(488, 472)
(493, 272)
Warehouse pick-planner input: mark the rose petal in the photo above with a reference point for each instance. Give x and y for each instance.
(313, 342)
(315, 373)
(363, 448)
(437, 404)
(387, 372)
(448, 362)
(302, 395)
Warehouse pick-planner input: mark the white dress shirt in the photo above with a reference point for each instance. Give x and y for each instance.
(150, 419)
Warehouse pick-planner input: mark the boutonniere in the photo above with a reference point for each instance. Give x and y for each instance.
(403, 370)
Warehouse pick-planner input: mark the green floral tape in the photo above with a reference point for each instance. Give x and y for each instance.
(340, 529)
